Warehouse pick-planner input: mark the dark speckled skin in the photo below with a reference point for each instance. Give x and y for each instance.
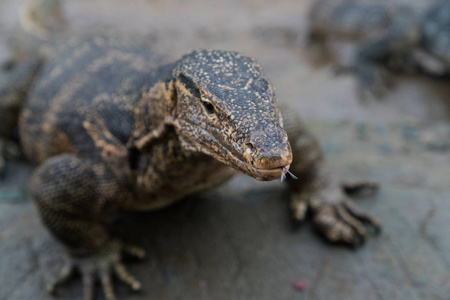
(388, 33)
(240, 94)
(435, 29)
(113, 126)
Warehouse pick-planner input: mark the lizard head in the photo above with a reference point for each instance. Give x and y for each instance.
(226, 108)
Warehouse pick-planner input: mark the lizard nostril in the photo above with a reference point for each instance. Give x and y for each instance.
(249, 148)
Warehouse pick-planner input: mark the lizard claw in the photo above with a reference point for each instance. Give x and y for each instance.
(136, 252)
(100, 265)
(299, 206)
(64, 275)
(356, 187)
(344, 222)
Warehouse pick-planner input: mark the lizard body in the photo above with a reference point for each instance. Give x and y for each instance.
(391, 37)
(113, 126)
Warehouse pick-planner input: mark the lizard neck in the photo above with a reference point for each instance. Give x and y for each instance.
(155, 111)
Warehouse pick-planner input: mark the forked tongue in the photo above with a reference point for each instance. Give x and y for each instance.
(285, 171)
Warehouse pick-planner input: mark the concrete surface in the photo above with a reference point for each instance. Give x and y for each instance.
(237, 242)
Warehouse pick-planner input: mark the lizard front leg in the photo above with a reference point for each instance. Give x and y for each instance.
(370, 62)
(73, 195)
(334, 214)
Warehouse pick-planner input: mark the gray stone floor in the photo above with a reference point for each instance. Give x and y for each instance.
(237, 242)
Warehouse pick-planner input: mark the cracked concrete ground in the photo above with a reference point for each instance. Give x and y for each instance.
(237, 242)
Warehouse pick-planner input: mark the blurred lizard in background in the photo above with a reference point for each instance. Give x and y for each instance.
(391, 37)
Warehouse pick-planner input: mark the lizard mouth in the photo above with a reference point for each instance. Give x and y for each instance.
(234, 160)
(273, 171)
(228, 158)
(211, 146)
(267, 174)
(252, 171)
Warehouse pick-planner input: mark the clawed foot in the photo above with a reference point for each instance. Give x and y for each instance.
(339, 221)
(344, 222)
(374, 81)
(100, 265)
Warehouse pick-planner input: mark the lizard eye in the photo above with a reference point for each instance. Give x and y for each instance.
(208, 107)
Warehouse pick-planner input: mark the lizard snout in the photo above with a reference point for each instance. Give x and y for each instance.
(268, 149)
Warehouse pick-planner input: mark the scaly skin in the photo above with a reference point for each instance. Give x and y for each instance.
(151, 134)
(113, 126)
(390, 38)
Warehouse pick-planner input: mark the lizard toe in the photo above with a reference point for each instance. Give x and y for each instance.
(122, 273)
(134, 251)
(88, 285)
(64, 275)
(368, 220)
(108, 289)
(356, 187)
(299, 207)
